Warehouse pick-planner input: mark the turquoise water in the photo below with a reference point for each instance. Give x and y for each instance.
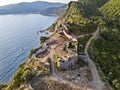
(18, 34)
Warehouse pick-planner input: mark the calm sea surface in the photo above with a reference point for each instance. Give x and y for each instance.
(18, 34)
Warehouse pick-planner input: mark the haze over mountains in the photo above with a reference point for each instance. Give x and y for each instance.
(34, 7)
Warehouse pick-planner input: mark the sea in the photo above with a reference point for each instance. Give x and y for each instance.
(18, 35)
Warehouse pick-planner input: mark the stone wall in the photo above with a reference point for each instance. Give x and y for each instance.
(67, 64)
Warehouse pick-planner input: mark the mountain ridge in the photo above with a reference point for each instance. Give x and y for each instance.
(33, 7)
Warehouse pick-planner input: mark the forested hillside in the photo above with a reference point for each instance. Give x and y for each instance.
(111, 12)
(85, 16)
(106, 49)
(79, 16)
(54, 10)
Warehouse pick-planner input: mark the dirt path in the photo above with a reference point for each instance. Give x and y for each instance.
(96, 83)
(52, 53)
(56, 76)
(70, 37)
(83, 35)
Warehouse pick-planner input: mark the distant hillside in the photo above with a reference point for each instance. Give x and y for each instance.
(54, 10)
(34, 7)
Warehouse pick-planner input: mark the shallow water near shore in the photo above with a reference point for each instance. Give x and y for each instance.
(18, 34)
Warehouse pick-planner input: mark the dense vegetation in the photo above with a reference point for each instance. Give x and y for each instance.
(78, 23)
(81, 44)
(111, 9)
(23, 75)
(3, 86)
(79, 16)
(105, 51)
(111, 13)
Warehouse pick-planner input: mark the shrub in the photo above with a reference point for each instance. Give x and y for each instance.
(32, 51)
(42, 39)
(23, 75)
(3, 86)
(71, 45)
(82, 41)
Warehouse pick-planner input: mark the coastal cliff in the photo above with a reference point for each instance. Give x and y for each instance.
(76, 56)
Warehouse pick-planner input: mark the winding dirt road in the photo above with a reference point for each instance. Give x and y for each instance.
(96, 83)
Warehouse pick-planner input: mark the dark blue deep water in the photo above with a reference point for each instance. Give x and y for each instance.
(17, 37)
